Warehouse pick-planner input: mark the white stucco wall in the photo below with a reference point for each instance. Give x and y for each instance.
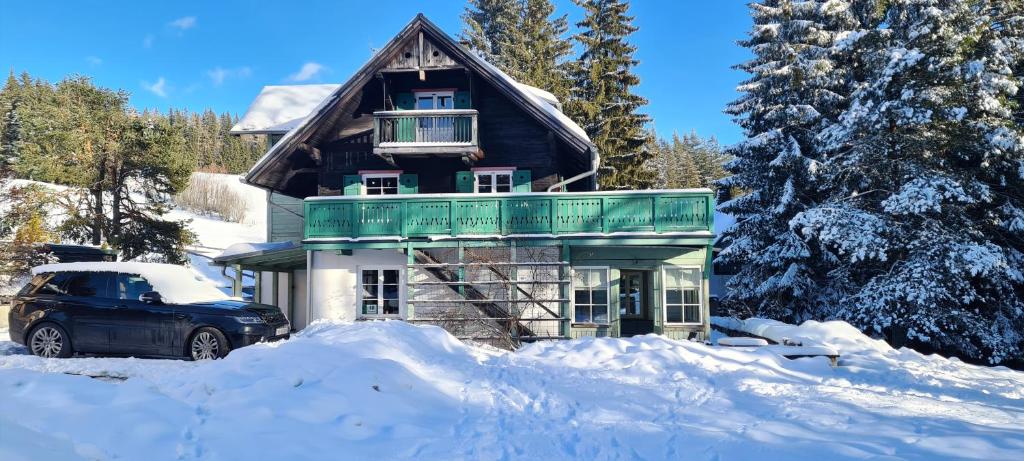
(334, 280)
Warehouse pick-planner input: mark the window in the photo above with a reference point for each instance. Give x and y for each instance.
(491, 181)
(131, 286)
(88, 284)
(435, 100)
(590, 295)
(380, 183)
(682, 295)
(379, 294)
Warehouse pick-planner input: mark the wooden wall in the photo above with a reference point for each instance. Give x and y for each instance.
(508, 137)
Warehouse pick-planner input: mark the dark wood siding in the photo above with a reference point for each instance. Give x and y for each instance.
(508, 138)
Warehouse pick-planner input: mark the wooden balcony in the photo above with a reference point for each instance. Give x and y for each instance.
(528, 215)
(436, 132)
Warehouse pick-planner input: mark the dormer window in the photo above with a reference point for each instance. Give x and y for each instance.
(492, 180)
(380, 182)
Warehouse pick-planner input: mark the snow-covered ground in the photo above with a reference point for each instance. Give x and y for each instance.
(391, 390)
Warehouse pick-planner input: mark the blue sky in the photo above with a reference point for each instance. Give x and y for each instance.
(219, 54)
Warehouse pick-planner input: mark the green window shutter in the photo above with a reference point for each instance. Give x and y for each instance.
(521, 181)
(408, 184)
(353, 184)
(464, 181)
(405, 101)
(463, 100)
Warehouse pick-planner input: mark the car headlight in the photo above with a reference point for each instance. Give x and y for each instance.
(248, 319)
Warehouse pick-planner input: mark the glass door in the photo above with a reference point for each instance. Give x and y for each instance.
(435, 128)
(632, 294)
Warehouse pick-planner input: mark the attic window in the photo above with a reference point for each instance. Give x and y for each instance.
(408, 55)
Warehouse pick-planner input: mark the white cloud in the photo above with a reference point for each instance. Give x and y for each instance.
(148, 41)
(183, 23)
(93, 60)
(159, 88)
(309, 71)
(219, 74)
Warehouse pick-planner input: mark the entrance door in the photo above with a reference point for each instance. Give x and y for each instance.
(635, 303)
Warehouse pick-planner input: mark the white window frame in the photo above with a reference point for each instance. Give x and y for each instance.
(389, 174)
(608, 298)
(664, 296)
(493, 173)
(434, 95)
(359, 292)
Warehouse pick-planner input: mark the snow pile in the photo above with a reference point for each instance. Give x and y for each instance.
(176, 284)
(835, 334)
(392, 390)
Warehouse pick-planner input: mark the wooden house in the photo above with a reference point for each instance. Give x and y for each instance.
(431, 187)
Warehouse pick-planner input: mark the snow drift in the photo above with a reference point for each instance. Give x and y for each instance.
(392, 390)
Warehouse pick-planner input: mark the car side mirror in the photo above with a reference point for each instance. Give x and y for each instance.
(151, 297)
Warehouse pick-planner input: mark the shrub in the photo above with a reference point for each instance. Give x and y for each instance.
(206, 195)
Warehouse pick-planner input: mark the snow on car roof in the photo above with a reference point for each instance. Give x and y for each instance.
(176, 284)
(279, 108)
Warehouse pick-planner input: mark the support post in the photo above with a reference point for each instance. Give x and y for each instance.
(565, 273)
(410, 307)
(236, 281)
(462, 270)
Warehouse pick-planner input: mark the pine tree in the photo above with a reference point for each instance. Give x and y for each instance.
(10, 141)
(522, 39)
(489, 26)
(603, 102)
(925, 206)
(795, 87)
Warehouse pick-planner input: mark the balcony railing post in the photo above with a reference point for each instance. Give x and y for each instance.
(473, 130)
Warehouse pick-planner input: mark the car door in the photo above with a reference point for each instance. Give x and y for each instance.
(145, 328)
(87, 299)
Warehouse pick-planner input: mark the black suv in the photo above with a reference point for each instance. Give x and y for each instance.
(108, 308)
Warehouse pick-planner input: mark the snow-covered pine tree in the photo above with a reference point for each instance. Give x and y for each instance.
(10, 140)
(924, 173)
(603, 102)
(795, 87)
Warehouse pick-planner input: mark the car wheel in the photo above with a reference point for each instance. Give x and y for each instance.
(50, 341)
(208, 344)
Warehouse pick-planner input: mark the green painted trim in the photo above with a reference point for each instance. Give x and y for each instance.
(523, 242)
(633, 215)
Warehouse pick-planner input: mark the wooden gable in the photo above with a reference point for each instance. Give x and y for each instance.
(420, 52)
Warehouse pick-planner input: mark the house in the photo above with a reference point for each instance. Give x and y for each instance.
(431, 187)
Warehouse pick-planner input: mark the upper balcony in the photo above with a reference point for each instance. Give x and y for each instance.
(435, 132)
(671, 213)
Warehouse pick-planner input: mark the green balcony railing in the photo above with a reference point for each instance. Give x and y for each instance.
(508, 214)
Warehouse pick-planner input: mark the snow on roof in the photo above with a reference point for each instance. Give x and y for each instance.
(280, 108)
(176, 284)
(544, 95)
(538, 97)
(259, 247)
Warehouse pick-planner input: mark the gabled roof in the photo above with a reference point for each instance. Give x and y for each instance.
(280, 108)
(533, 101)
